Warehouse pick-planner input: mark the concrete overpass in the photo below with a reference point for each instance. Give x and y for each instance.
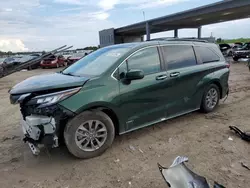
(222, 11)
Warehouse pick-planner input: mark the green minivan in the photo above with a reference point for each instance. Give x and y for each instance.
(118, 89)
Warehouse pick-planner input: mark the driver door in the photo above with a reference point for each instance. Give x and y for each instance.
(141, 101)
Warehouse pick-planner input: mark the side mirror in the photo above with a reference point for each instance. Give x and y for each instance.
(134, 75)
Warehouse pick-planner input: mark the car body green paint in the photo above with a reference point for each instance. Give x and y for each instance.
(147, 101)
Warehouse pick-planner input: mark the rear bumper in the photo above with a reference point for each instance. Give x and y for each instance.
(225, 92)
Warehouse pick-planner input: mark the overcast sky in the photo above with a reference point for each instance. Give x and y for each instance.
(47, 24)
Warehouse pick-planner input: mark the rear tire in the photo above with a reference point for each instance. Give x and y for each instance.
(210, 99)
(82, 143)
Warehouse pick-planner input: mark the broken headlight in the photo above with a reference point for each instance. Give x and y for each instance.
(52, 98)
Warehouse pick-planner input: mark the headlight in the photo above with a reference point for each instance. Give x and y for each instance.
(53, 98)
(53, 62)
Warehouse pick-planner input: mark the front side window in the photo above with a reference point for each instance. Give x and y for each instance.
(179, 56)
(206, 54)
(146, 60)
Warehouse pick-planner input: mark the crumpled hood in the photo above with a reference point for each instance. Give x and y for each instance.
(47, 82)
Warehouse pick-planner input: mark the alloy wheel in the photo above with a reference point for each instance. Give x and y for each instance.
(211, 98)
(91, 135)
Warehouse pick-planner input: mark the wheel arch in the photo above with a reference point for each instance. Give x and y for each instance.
(108, 110)
(218, 84)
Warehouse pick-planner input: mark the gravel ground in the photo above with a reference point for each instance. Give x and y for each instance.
(132, 160)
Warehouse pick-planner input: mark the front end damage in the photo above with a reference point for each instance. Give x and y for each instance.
(42, 123)
(39, 130)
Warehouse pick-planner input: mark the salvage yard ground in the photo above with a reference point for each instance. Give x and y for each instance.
(132, 160)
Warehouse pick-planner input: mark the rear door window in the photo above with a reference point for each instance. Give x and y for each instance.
(206, 54)
(178, 56)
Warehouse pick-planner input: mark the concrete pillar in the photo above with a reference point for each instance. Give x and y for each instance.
(199, 32)
(176, 33)
(147, 31)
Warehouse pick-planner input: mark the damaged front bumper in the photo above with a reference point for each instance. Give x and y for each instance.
(39, 131)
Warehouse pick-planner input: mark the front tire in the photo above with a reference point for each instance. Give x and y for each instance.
(210, 99)
(89, 134)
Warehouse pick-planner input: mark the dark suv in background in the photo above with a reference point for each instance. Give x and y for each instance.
(118, 89)
(242, 52)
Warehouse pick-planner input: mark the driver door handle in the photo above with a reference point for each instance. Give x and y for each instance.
(174, 74)
(161, 77)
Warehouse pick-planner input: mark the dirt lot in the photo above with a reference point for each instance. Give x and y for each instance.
(202, 138)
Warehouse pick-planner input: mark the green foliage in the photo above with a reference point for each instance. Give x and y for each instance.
(91, 48)
(5, 53)
(229, 41)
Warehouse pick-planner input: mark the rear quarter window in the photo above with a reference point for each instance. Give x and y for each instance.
(206, 54)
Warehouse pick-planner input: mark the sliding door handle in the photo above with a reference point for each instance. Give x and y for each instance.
(161, 77)
(174, 74)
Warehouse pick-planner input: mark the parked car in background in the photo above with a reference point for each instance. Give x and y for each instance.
(11, 62)
(234, 47)
(224, 48)
(118, 89)
(53, 62)
(239, 43)
(66, 56)
(1, 67)
(242, 52)
(75, 57)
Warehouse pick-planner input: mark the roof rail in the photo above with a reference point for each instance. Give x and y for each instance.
(179, 39)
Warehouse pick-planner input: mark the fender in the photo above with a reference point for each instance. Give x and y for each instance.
(101, 105)
(218, 77)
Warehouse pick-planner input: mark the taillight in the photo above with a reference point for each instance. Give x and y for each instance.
(228, 65)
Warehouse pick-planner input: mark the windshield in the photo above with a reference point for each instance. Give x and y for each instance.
(97, 62)
(246, 46)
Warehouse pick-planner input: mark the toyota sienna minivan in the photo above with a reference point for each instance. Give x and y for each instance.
(118, 89)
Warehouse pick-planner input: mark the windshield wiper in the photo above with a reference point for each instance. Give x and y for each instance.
(69, 74)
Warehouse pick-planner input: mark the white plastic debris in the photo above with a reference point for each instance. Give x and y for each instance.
(230, 138)
(117, 160)
(178, 160)
(141, 150)
(132, 147)
(129, 183)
